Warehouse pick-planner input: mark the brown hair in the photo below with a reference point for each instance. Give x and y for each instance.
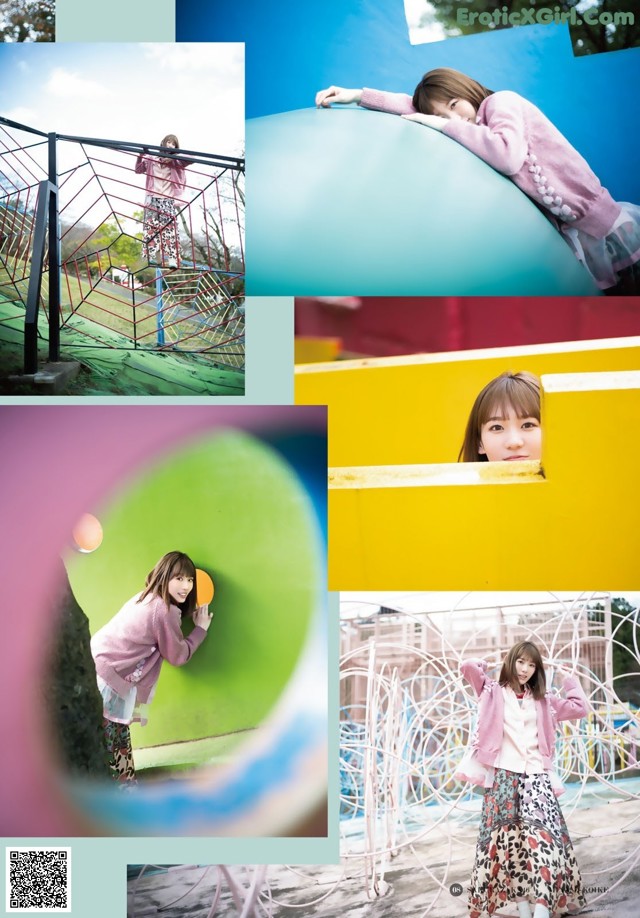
(165, 141)
(445, 84)
(509, 676)
(520, 391)
(171, 565)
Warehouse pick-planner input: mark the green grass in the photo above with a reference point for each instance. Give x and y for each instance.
(114, 308)
(106, 371)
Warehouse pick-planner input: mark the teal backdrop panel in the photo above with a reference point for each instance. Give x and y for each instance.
(117, 20)
(232, 504)
(351, 201)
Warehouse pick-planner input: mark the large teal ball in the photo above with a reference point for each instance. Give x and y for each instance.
(348, 201)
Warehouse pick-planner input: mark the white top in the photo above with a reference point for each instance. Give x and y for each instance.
(162, 180)
(520, 751)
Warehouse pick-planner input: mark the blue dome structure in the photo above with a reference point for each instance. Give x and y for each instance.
(349, 201)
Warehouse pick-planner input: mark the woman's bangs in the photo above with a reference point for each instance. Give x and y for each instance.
(515, 396)
(183, 567)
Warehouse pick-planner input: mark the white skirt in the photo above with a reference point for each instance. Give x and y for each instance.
(119, 709)
(605, 258)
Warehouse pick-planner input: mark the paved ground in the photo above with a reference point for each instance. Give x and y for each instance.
(606, 840)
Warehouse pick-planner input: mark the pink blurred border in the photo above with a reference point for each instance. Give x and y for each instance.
(57, 462)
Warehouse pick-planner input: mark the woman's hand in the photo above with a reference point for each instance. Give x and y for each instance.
(202, 617)
(432, 121)
(337, 94)
(562, 674)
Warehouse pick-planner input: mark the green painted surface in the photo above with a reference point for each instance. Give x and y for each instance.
(213, 750)
(237, 509)
(125, 372)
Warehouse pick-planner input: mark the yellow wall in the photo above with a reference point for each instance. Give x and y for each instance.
(315, 350)
(414, 409)
(572, 523)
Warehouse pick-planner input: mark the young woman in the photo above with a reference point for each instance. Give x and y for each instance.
(129, 650)
(514, 137)
(524, 852)
(504, 423)
(165, 181)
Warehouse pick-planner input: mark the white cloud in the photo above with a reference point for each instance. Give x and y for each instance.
(130, 91)
(74, 86)
(202, 56)
(22, 115)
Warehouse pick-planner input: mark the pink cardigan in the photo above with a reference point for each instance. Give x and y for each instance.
(516, 139)
(148, 165)
(147, 631)
(487, 741)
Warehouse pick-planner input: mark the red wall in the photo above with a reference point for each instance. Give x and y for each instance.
(384, 326)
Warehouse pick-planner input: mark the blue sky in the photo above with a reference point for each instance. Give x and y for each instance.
(137, 92)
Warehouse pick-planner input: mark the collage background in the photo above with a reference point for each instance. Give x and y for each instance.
(269, 380)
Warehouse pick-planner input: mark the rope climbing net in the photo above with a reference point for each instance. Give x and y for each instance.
(132, 273)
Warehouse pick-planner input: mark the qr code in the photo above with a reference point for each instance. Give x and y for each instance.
(38, 879)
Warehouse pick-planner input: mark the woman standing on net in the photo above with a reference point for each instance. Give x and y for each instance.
(164, 183)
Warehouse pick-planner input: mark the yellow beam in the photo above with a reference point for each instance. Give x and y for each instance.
(397, 410)
(316, 350)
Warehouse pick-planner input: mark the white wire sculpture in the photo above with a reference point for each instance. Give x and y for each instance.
(405, 719)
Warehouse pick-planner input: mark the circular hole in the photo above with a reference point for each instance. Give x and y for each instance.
(232, 733)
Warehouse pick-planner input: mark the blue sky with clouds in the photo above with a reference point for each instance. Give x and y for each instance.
(137, 92)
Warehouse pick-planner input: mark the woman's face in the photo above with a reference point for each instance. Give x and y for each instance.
(459, 109)
(510, 438)
(180, 586)
(525, 669)
(169, 143)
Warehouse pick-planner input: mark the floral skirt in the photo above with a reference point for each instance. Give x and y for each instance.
(524, 850)
(160, 244)
(119, 753)
(613, 261)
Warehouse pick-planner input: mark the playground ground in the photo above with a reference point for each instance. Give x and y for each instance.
(605, 844)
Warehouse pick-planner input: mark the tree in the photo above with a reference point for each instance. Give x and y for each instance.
(123, 249)
(27, 20)
(627, 634)
(70, 692)
(586, 38)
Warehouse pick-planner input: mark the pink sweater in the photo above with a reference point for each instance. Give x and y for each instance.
(147, 631)
(550, 709)
(514, 137)
(149, 165)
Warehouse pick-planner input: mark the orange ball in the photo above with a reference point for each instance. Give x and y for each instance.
(87, 533)
(204, 588)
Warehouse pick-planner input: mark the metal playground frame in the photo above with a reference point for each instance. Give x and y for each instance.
(74, 260)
